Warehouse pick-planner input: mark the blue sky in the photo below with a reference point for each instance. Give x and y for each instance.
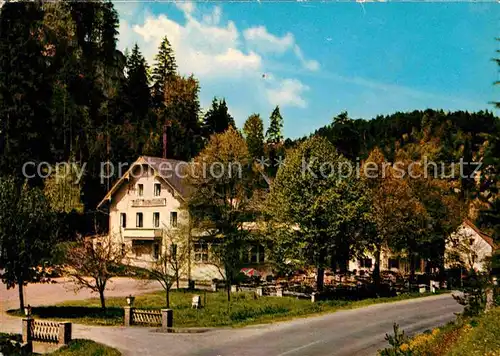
(317, 59)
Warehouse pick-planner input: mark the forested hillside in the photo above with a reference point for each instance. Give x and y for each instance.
(67, 94)
(441, 137)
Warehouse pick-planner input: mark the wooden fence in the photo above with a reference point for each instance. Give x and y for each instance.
(148, 317)
(45, 332)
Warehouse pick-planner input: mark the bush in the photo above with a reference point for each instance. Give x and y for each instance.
(10, 344)
(474, 293)
(398, 343)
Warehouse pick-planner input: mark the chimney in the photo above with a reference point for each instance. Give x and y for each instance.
(165, 141)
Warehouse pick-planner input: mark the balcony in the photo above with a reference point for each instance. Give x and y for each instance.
(139, 203)
(141, 233)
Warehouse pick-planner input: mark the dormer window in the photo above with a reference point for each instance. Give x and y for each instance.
(140, 190)
(157, 189)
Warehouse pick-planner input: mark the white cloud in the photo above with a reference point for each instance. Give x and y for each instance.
(186, 7)
(262, 40)
(310, 64)
(201, 48)
(265, 42)
(289, 92)
(216, 52)
(214, 17)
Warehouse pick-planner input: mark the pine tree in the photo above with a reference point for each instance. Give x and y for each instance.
(137, 85)
(25, 91)
(217, 119)
(497, 60)
(164, 68)
(254, 133)
(274, 132)
(182, 113)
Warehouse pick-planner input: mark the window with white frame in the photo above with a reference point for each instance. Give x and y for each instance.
(173, 219)
(156, 219)
(200, 251)
(138, 220)
(157, 189)
(256, 254)
(140, 190)
(123, 220)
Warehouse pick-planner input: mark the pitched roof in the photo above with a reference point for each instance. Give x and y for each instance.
(170, 170)
(173, 171)
(485, 237)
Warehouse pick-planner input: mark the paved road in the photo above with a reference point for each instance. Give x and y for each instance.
(351, 332)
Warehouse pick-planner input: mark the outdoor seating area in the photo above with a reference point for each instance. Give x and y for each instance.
(343, 286)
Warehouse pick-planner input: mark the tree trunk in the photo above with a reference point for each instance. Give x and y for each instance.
(320, 271)
(101, 297)
(177, 279)
(376, 269)
(167, 297)
(412, 267)
(20, 286)
(320, 278)
(229, 280)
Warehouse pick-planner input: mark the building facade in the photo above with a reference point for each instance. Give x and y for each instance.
(469, 247)
(147, 214)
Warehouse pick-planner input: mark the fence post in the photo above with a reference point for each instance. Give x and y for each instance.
(128, 315)
(167, 318)
(313, 297)
(259, 291)
(279, 292)
(432, 286)
(64, 334)
(27, 330)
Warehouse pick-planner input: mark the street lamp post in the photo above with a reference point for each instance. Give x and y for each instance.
(130, 300)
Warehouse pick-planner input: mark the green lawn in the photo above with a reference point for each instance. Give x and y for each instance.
(81, 347)
(244, 309)
(482, 339)
(477, 336)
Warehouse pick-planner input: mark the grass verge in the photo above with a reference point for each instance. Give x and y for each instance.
(479, 336)
(244, 308)
(483, 338)
(81, 347)
(10, 345)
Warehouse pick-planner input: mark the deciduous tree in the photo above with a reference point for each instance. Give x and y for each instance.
(27, 231)
(172, 260)
(92, 261)
(317, 193)
(221, 177)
